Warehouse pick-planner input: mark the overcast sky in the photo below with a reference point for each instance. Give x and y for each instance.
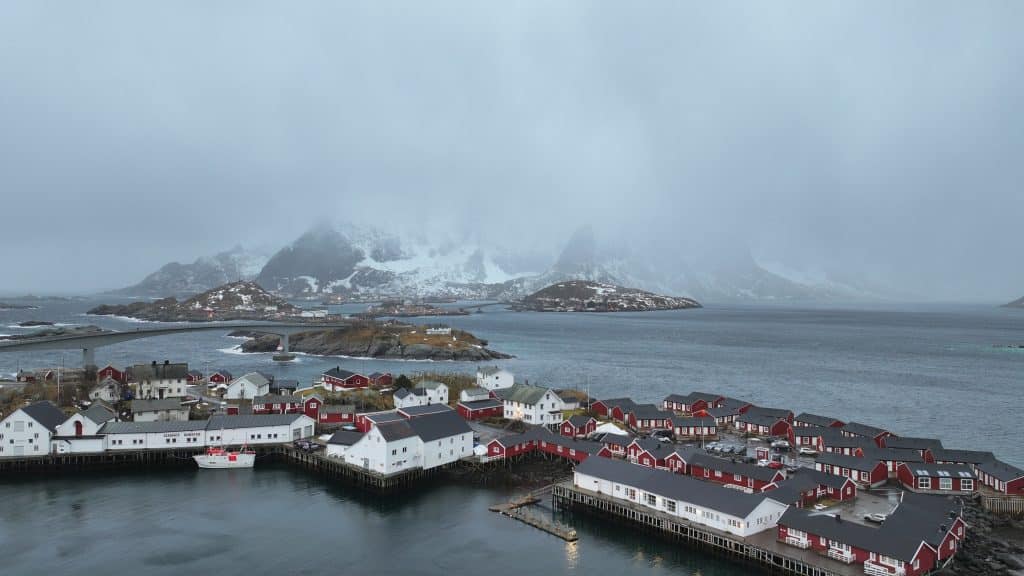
(880, 139)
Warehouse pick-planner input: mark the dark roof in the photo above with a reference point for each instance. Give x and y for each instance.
(835, 439)
(615, 439)
(804, 431)
(692, 397)
(441, 425)
(153, 427)
(417, 411)
(734, 403)
(280, 384)
(780, 413)
(791, 490)
(915, 443)
(924, 516)
(46, 414)
(482, 404)
(337, 372)
(625, 403)
(195, 373)
(176, 371)
(673, 486)
(650, 412)
(277, 399)
(824, 421)
(396, 430)
(224, 373)
(381, 417)
(401, 393)
(157, 405)
(941, 470)
(865, 430)
(524, 394)
(851, 462)
(339, 408)
(965, 456)
(899, 546)
(657, 449)
(762, 473)
(99, 413)
(688, 422)
(1000, 470)
(893, 454)
(251, 420)
(723, 411)
(822, 478)
(579, 420)
(345, 437)
(752, 417)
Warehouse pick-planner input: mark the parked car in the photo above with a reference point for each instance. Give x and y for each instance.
(763, 463)
(775, 465)
(349, 428)
(805, 451)
(301, 444)
(875, 517)
(780, 444)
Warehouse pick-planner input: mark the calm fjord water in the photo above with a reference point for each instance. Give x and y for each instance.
(918, 370)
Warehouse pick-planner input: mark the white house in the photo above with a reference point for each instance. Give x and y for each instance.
(692, 500)
(423, 394)
(157, 381)
(494, 378)
(107, 390)
(340, 442)
(28, 430)
(474, 394)
(80, 432)
(247, 387)
(444, 438)
(388, 448)
(250, 429)
(532, 404)
(166, 410)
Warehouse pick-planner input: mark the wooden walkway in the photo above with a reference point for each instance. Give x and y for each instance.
(519, 509)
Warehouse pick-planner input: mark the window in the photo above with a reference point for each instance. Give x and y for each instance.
(966, 484)
(670, 505)
(945, 483)
(651, 499)
(924, 483)
(394, 452)
(737, 477)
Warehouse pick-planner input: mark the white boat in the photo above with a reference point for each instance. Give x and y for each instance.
(220, 458)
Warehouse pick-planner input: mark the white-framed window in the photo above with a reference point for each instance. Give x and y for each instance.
(967, 484)
(670, 505)
(924, 482)
(945, 483)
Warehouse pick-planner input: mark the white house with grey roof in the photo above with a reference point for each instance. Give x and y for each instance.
(533, 404)
(424, 442)
(247, 387)
(28, 430)
(424, 393)
(164, 410)
(157, 381)
(79, 434)
(494, 378)
(252, 429)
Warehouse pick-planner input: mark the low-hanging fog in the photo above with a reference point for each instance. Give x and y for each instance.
(876, 140)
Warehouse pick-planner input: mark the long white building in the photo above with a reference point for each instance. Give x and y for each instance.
(253, 429)
(696, 501)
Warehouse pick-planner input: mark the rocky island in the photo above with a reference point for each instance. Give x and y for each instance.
(409, 310)
(390, 340)
(234, 301)
(588, 296)
(1018, 303)
(9, 306)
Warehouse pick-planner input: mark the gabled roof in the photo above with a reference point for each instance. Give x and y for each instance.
(851, 462)
(44, 412)
(154, 371)
(893, 454)
(159, 405)
(255, 378)
(224, 373)
(482, 404)
(277, 399)
(579, 420)
(809, 431)
(99, 413)
(655, 448)
(673, 486)
(153, 427)
(437, 426)
(195, 373)
(489, 370)
(734, 403)
(345, 437)
(252, 420)
(762, 473)
(860, 536)
(650, 412)
(941, 470)
(430, 385)
(524, 394)
(723, 411)
(822, 478)
(693, 422)
(824, 421)
(339, 408)
(923, 516)
(624, 403)
(397, 430)
(416, 411)
(338, 373)
(777, 413)
(402, 393)
(914, 443)
(476, 392)
(760, 419)
(833, 438)
(865, 430)
(615, 439)
(386, 416)
(965, 456)
(692, 397)
(1000, 470)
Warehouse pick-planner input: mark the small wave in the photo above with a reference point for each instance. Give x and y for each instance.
(237, 350)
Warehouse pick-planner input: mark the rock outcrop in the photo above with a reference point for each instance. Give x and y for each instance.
(234, 301)
(587, 296)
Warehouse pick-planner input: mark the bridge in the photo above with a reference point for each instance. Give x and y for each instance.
(90, 341)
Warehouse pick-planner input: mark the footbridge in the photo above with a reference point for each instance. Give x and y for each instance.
(90, 341)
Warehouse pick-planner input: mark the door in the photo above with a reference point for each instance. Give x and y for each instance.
(19, 450)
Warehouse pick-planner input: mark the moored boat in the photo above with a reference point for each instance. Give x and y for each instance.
(217, 457)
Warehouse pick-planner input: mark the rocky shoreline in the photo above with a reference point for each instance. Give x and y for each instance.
(382, 341)
(588, 296)
(234, 301)
(994, 544)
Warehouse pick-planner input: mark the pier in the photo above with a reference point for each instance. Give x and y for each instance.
(518, 509)
(362, 478)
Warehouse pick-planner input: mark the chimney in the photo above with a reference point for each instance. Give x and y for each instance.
(943, 528)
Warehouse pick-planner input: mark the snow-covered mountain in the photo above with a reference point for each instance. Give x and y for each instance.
(176, 279)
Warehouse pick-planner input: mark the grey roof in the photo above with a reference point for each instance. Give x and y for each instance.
(833, 438)
(651, 412)
(733, 403)
(893, 454)
(851, 462)
(808, 431)
(416, 411)
(941, 470)
(768, 420)
(657, 449)
(524, 394)
(865, 430)
(899, 546)
(46, 414)
(339, 408)
(625, 403)
(693, 422)
(429, 385)
(401, 393)
(822, 478)
(257, 378)
(281, 384)
(488, 370)
(615, 439)
(692, 397)
(153, 427)
(1000, 470)
(223, 373)
(673, 486)
(723, 411)
(924, 516)
(277, 399)
(382, 417)
(476, 391)
(962, 456)
(914, 443)
(762, 473)
(824, 421)
(791, 490)
(251, 420)
(337, 372)
(345, 437)
(176, 371)
(441, 425)
(482, 404)
(778, 413)
(395, 430)
(579, 420)
(99, 413)
(157, 405)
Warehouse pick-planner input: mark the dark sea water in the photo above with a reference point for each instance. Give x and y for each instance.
(919, 370)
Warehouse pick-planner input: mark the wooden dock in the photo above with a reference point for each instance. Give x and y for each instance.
(519, 509)
(368, 480)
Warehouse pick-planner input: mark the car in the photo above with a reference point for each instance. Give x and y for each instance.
(755, 439)
(805, 451)
(763, 463)
(875, 517)
(301, 444)
(780, 444)
(775, 465)
(792, 469)
(349, 428)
